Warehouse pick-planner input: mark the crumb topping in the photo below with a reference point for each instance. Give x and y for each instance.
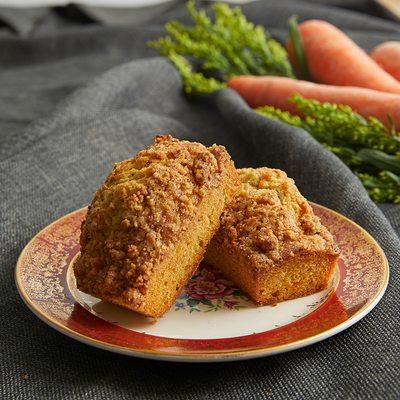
(269, 220)
(138, 214)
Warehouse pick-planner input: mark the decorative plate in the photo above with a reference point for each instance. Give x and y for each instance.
(212, 320)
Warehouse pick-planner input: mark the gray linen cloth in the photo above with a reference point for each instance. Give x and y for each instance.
(76, 99)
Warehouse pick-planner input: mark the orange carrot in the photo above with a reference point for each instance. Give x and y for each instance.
(275, 91)
(333, 58)
(387, 55)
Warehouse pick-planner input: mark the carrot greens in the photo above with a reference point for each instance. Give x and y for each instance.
(210, 52)
(367, 146)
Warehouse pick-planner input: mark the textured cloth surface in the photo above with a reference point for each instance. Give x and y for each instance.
(76, 97)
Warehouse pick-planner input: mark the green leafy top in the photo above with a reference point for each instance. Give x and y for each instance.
(338, 125)
(194, 82)
(221, 49)
(367, 146)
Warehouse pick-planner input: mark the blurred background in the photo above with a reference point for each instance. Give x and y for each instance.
(27, 17)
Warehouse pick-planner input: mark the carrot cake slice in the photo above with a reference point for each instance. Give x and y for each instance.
(148, 226)
(270, 243)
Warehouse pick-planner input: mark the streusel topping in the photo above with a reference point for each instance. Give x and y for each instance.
(269, 220)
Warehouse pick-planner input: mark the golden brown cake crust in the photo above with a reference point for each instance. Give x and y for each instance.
(270, 221)
(141, 212)
(270, 243)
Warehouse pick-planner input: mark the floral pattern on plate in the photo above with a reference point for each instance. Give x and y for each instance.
(209, 291)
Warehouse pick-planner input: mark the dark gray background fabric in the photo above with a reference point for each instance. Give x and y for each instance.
(77, 96)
